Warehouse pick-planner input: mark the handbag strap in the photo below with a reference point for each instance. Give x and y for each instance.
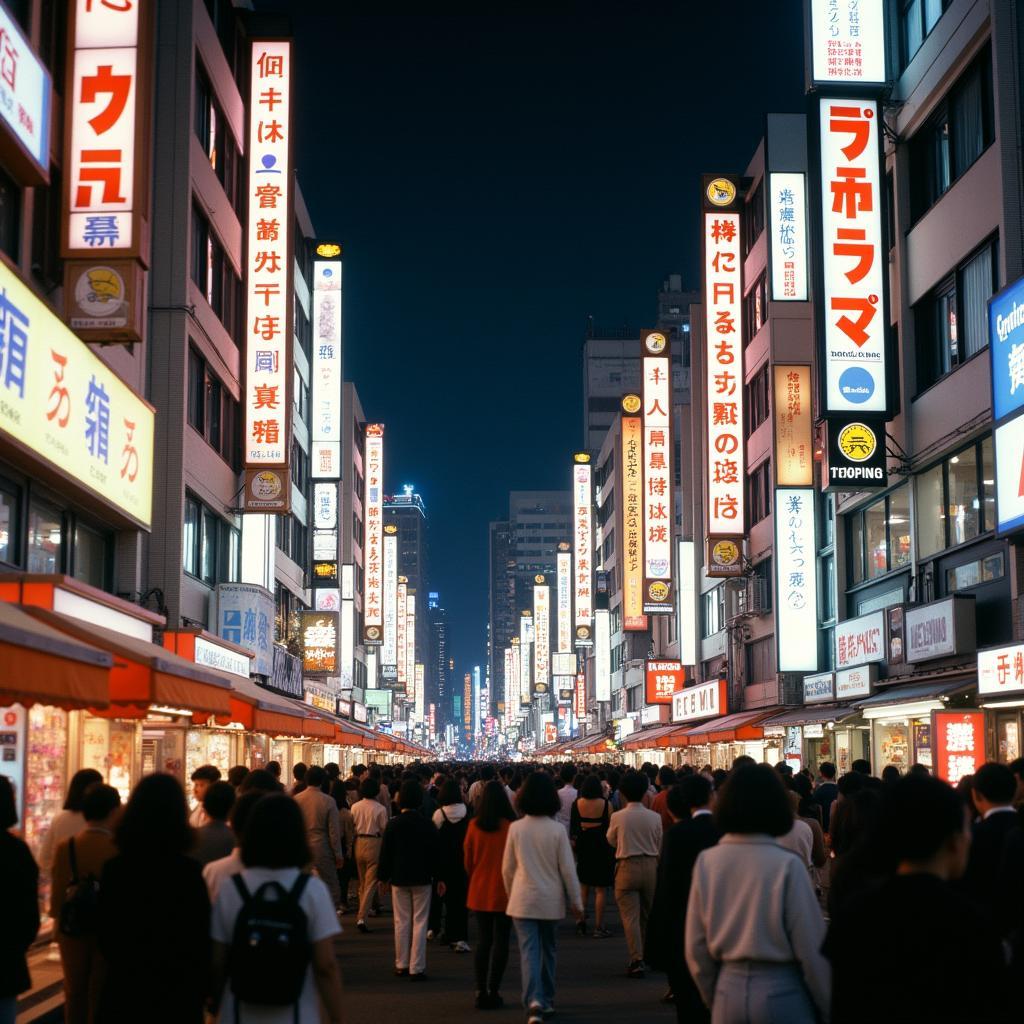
(74, 861)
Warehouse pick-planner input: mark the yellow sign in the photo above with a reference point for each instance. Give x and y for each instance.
(581, 458)
(857, 442)
(328, 250)
(390, 528)
(632, 544)
(794, 449)
(655, 343)
(61, 401)
(721, 192)
(631, 404)
(538, 578)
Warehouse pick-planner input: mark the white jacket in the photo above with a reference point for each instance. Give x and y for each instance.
(538, 870)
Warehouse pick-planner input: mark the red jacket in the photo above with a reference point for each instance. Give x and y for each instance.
(483, 853)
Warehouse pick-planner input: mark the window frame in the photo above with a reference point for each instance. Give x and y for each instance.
(885, 500)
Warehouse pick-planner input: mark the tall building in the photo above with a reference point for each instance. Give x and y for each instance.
(503, 618)
(438, 674)
(351, 535)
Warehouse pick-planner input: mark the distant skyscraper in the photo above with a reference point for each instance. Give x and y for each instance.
(438, 687)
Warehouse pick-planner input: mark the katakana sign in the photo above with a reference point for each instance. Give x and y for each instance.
(583, 547)
(787, 221)
(373, 543)
(631, 467)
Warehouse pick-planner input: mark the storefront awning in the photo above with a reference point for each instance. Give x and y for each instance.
(41, 665)
(735, 728)
(144, 674)
(816, 714)
(647, 739)
(260, 710)
(923, 693)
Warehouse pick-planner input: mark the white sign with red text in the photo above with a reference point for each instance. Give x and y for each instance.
(861, 640)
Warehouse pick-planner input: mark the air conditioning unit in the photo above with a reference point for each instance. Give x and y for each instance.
(753, 598)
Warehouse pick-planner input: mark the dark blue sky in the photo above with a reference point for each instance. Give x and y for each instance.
(495, 179)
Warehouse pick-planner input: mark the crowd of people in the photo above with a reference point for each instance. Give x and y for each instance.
(762, 894)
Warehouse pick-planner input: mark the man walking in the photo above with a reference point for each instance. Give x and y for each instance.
(323, 830)
(635, 832)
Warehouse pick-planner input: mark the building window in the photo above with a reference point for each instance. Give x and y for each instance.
(757, 400)
(91, 557)
(47, 266)
(10, 216)
(761, 660)
(214, 276)
(956, 499)
(9, 524)
(211, 547)
(299, 467)
(756, 308)
(301, 397)
(211, 128)
(753, 221)
(713, 618)
(960, 130)
(45, 539)
(212, 410)
(917, 19)
(951, 322)
(879, 536)
(222, 14)
(759, 492)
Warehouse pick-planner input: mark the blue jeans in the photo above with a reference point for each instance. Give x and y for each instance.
(749, 992)
(537, 960)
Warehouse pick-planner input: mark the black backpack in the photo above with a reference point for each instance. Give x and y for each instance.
(270, 952)
(80, 912)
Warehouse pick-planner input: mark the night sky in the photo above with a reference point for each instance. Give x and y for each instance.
(495, 179)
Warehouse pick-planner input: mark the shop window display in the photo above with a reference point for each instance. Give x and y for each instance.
(1008, 737)
(108, 745)
(46, 765)
(207, 746)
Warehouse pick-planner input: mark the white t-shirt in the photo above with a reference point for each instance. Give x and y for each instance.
(323, 923)
(217, 872)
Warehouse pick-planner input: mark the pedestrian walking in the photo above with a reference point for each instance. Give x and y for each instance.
(451, 820)
(215, 839)
(923, 832)
(484, 851)
(299, 770)
(567, 794)
(154, 913)
(370, 819)
(74, 901)
(409, 864)
(826, 792)
(19, 883)
(595, 859)
(753, 926)
(217, 872)
(666, 780)
(347, 824)
(323, 830)
(693, 830)
(69, 820)
(202, 779)
(273, 928)
(635, 834)
(540, 878)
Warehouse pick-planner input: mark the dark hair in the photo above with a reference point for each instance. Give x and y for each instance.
(494, 807)
(591, 788)
(995, 782)
(241, 809)
(695, 790)
(316, 777)
(827, 770)
(217, 800)
(538, 796)
(801, 785)
(850, 783)
(1017, 766)
(890, 774)
(742, 760)
(237, 774)
(784, 769)
(854, 821)
(358, 769)
(718, 777)
(918, 769)
(634, 786)
(369, 788)
(861, 766)
(410, 796)
(486, 772)
(274, 835)
(918, 815)
(8, 805)
(568, 773)
(80, 782)
(155, 820)
(259, 780)
(100, 802)
(274, 767)
(450, 793)
(299, 771)
(753, 800)
(614, 780)
(666, 776)
(209, 772)
(333, 770)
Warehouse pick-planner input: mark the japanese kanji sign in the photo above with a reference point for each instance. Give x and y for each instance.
(541, 639)
(583, 546)
(631, 467)
(325, 412)
(62, 402)
(1001, 670)
(854, 263)
(848, 41)
(401, 633)
(662, 679)
(791, 406)
(267, 276)
(107, 169)
(25, 105)
(860, 641)
(373, 541)
(410, 643)
(319, 641)
(580, 702)
(796, 615)
(389, 650)
(723, 311)
(658, 483)
(525, 658)
(564, 583)
(958, 743)
(787, 222)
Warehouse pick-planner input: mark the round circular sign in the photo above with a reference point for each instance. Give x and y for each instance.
(631, 404)
(583, 632)
(266, 485)
(721, 192)
(658, 591)
(725, 552)
(655, 342)
(539, 579)
(99, 291)
(373, 632)
(857, 442)
(328, 249)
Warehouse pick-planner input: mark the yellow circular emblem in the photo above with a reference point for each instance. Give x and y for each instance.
(721, 192)
(328, 250)
(539, 579)
(857, 442)
(631, 404)
(655, 342)
(725, 552)
(658, 591)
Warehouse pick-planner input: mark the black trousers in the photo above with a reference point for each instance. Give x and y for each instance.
(456, 916)
(491, 956)
(690, 1008)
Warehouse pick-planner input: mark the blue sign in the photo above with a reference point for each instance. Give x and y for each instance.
(245, 616)
(1006, 346)
(856, 384)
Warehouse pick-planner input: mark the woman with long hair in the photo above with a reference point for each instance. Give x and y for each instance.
(70, 820)
(483, 851)
(452, 821)
(595, 858)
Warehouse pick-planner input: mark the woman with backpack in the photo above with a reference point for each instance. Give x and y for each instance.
(273, 927)
(74, 900)
(452, 820)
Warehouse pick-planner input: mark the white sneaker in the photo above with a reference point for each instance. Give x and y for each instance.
(460, 947)
(430, 935)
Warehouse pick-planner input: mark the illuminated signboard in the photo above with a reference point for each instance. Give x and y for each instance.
(511, 680)
(848, 41)
(541, 640)
(401, 628)
(633, 617)
(563, 664)
(657, 481)
(796, 617)
(319, 641)
(787, 221)
(687, 601)
(512, 695)
(958, 743)
(701, 701)
(63, 403)
(564, 610)
(325, 506)
(325, 399)
(327, 599)
(854, 263)
(723, 308)
(580, 706)
(583, 568)
(525, 659)
(389, 650)
(860, 641)
(662, 679)
(410, 643)
(267, 276)
(467, 706)
(602, 656)
(373, 544)
(418, 691)
(1005, 341)
(107, 189)
(1001, 670)
(794, 450)
(25, 101)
